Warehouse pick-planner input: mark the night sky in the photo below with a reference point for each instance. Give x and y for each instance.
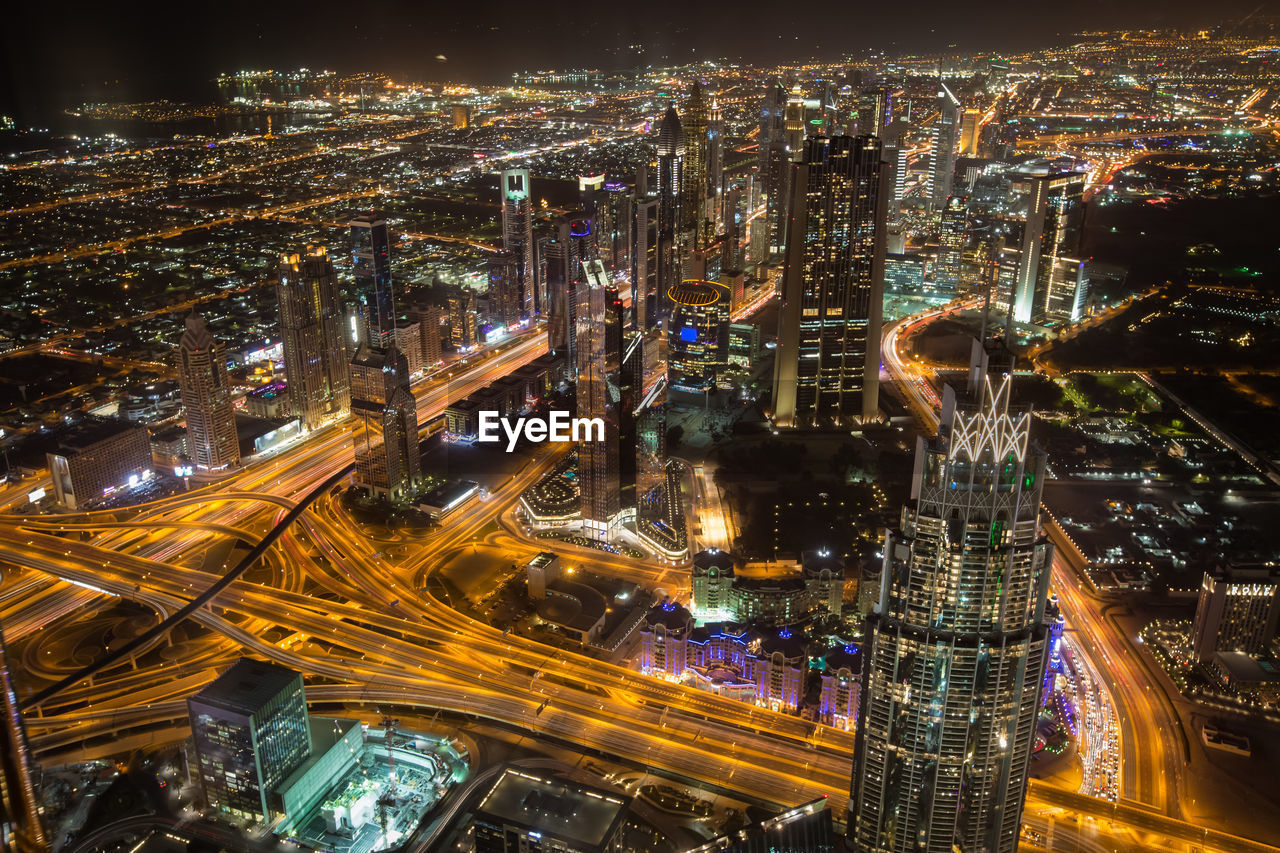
(58, 54)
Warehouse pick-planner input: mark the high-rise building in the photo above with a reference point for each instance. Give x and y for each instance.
(872, 111)
(371, 265)
(942, 148)
(409, 343)
(1052, 230)
(970, 124)
(464, 318)
(571, 242)
(206, 396)
(698, 334)
(251, 732)
(428, 317)
(311, 333)
(386, 431)
(671, 159)
(715, 156)
(97, 458)
(774, 169)
(793, 122)
(827, 366)
(952, 235)
(504, 289)
(1238, 610)
(659, 516)
(646, 263)
(517, 238)
(598, 364)
(21, 811)
(693, 180)
(956, 648)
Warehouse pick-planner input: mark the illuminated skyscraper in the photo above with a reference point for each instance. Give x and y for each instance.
(655, 493)
(504, 289)
(942, 148)
(517, 237)
(693, 180)
(952, 235)
(21, 816)
(646, 262)
(970, 124)
(793, 119)
(671, 154)
(571, 242)
(698, 335)
(314, 342)
(386, 429)
(872, 111)
(206, 397)
(371, 264)
(827, 367)
(1052, 231)
(597, 365)
(715, 155)
(956, 647)
(250, 731)
(774, 169)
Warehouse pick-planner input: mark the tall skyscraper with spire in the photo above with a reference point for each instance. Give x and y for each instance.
(693, 182)
(715, 158)
(827, 366)
(311, 333)
(371, 264)
(671, 155)
(206, 397)
(517, 238)
(954, 660)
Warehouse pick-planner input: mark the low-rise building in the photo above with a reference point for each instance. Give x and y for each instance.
(96, 459)
(268, 401)
(533, 812)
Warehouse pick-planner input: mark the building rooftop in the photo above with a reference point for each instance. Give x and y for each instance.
(93, 431)
(721, 560)
(246, 686)
(573, 813)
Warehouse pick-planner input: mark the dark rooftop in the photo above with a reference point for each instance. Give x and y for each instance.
(247, 686)
(93, 431)
(568, 811)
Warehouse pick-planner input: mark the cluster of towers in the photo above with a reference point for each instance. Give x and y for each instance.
(336, 361)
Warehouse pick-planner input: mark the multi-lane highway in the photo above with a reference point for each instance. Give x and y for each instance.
(364, 621)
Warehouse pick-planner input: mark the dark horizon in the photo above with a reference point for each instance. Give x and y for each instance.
(57, 59)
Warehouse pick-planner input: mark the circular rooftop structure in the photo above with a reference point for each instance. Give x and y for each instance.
(695, 293)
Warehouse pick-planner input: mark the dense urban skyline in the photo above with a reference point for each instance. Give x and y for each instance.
(642, 453)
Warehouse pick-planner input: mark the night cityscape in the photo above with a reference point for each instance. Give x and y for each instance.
(671, 430)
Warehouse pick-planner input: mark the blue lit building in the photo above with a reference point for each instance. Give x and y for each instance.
(698, 336)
